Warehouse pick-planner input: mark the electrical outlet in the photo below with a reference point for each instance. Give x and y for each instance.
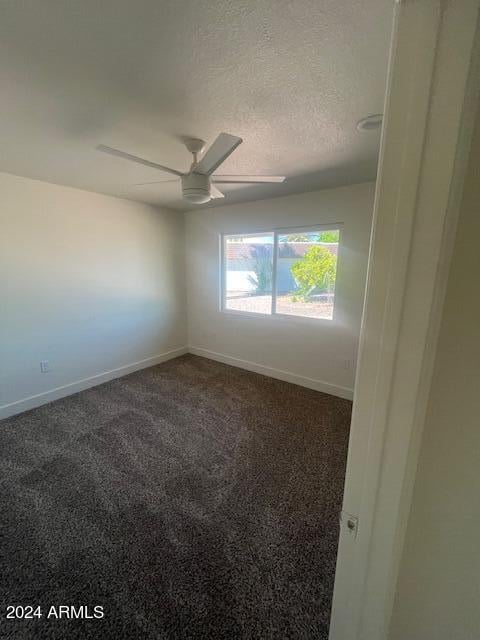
(44, 366)
(347, 364)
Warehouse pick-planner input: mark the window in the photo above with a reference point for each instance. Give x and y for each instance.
(284, 272)
(248, 272)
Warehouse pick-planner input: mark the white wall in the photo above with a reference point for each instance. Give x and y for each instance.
(311, 352)
(438, 591)
(95, 284)
(89, 282)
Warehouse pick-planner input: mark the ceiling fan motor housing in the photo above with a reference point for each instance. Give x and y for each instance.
(196, 188)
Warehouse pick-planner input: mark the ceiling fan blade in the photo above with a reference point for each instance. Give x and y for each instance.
(247, 179)
(223, 146)
(142, 184)
(128, 156)
(215, 193)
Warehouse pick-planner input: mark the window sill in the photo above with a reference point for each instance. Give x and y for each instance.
(280, 317)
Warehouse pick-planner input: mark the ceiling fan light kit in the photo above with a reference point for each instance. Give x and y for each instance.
(198, 184)
(196, 188)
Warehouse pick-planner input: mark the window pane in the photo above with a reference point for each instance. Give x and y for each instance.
(248, 273)
(306, 271)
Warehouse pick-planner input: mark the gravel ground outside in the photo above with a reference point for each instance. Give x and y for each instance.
(315, 308)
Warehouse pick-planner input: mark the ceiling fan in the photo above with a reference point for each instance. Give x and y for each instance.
(198, 185)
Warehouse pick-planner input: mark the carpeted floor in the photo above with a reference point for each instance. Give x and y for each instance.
(190, 500)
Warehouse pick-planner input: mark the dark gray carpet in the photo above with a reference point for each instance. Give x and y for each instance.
(190, 500)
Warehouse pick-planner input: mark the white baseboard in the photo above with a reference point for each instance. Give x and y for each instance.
(286, 376)
(24, 404)
(38, 399)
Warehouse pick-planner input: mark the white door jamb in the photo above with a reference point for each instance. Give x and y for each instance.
(431, 100)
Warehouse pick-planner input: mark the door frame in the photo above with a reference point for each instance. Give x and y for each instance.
(431, 100)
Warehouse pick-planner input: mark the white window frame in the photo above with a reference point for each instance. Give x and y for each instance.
(334, 226)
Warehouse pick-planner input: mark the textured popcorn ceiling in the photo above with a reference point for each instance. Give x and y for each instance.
(290, 77)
